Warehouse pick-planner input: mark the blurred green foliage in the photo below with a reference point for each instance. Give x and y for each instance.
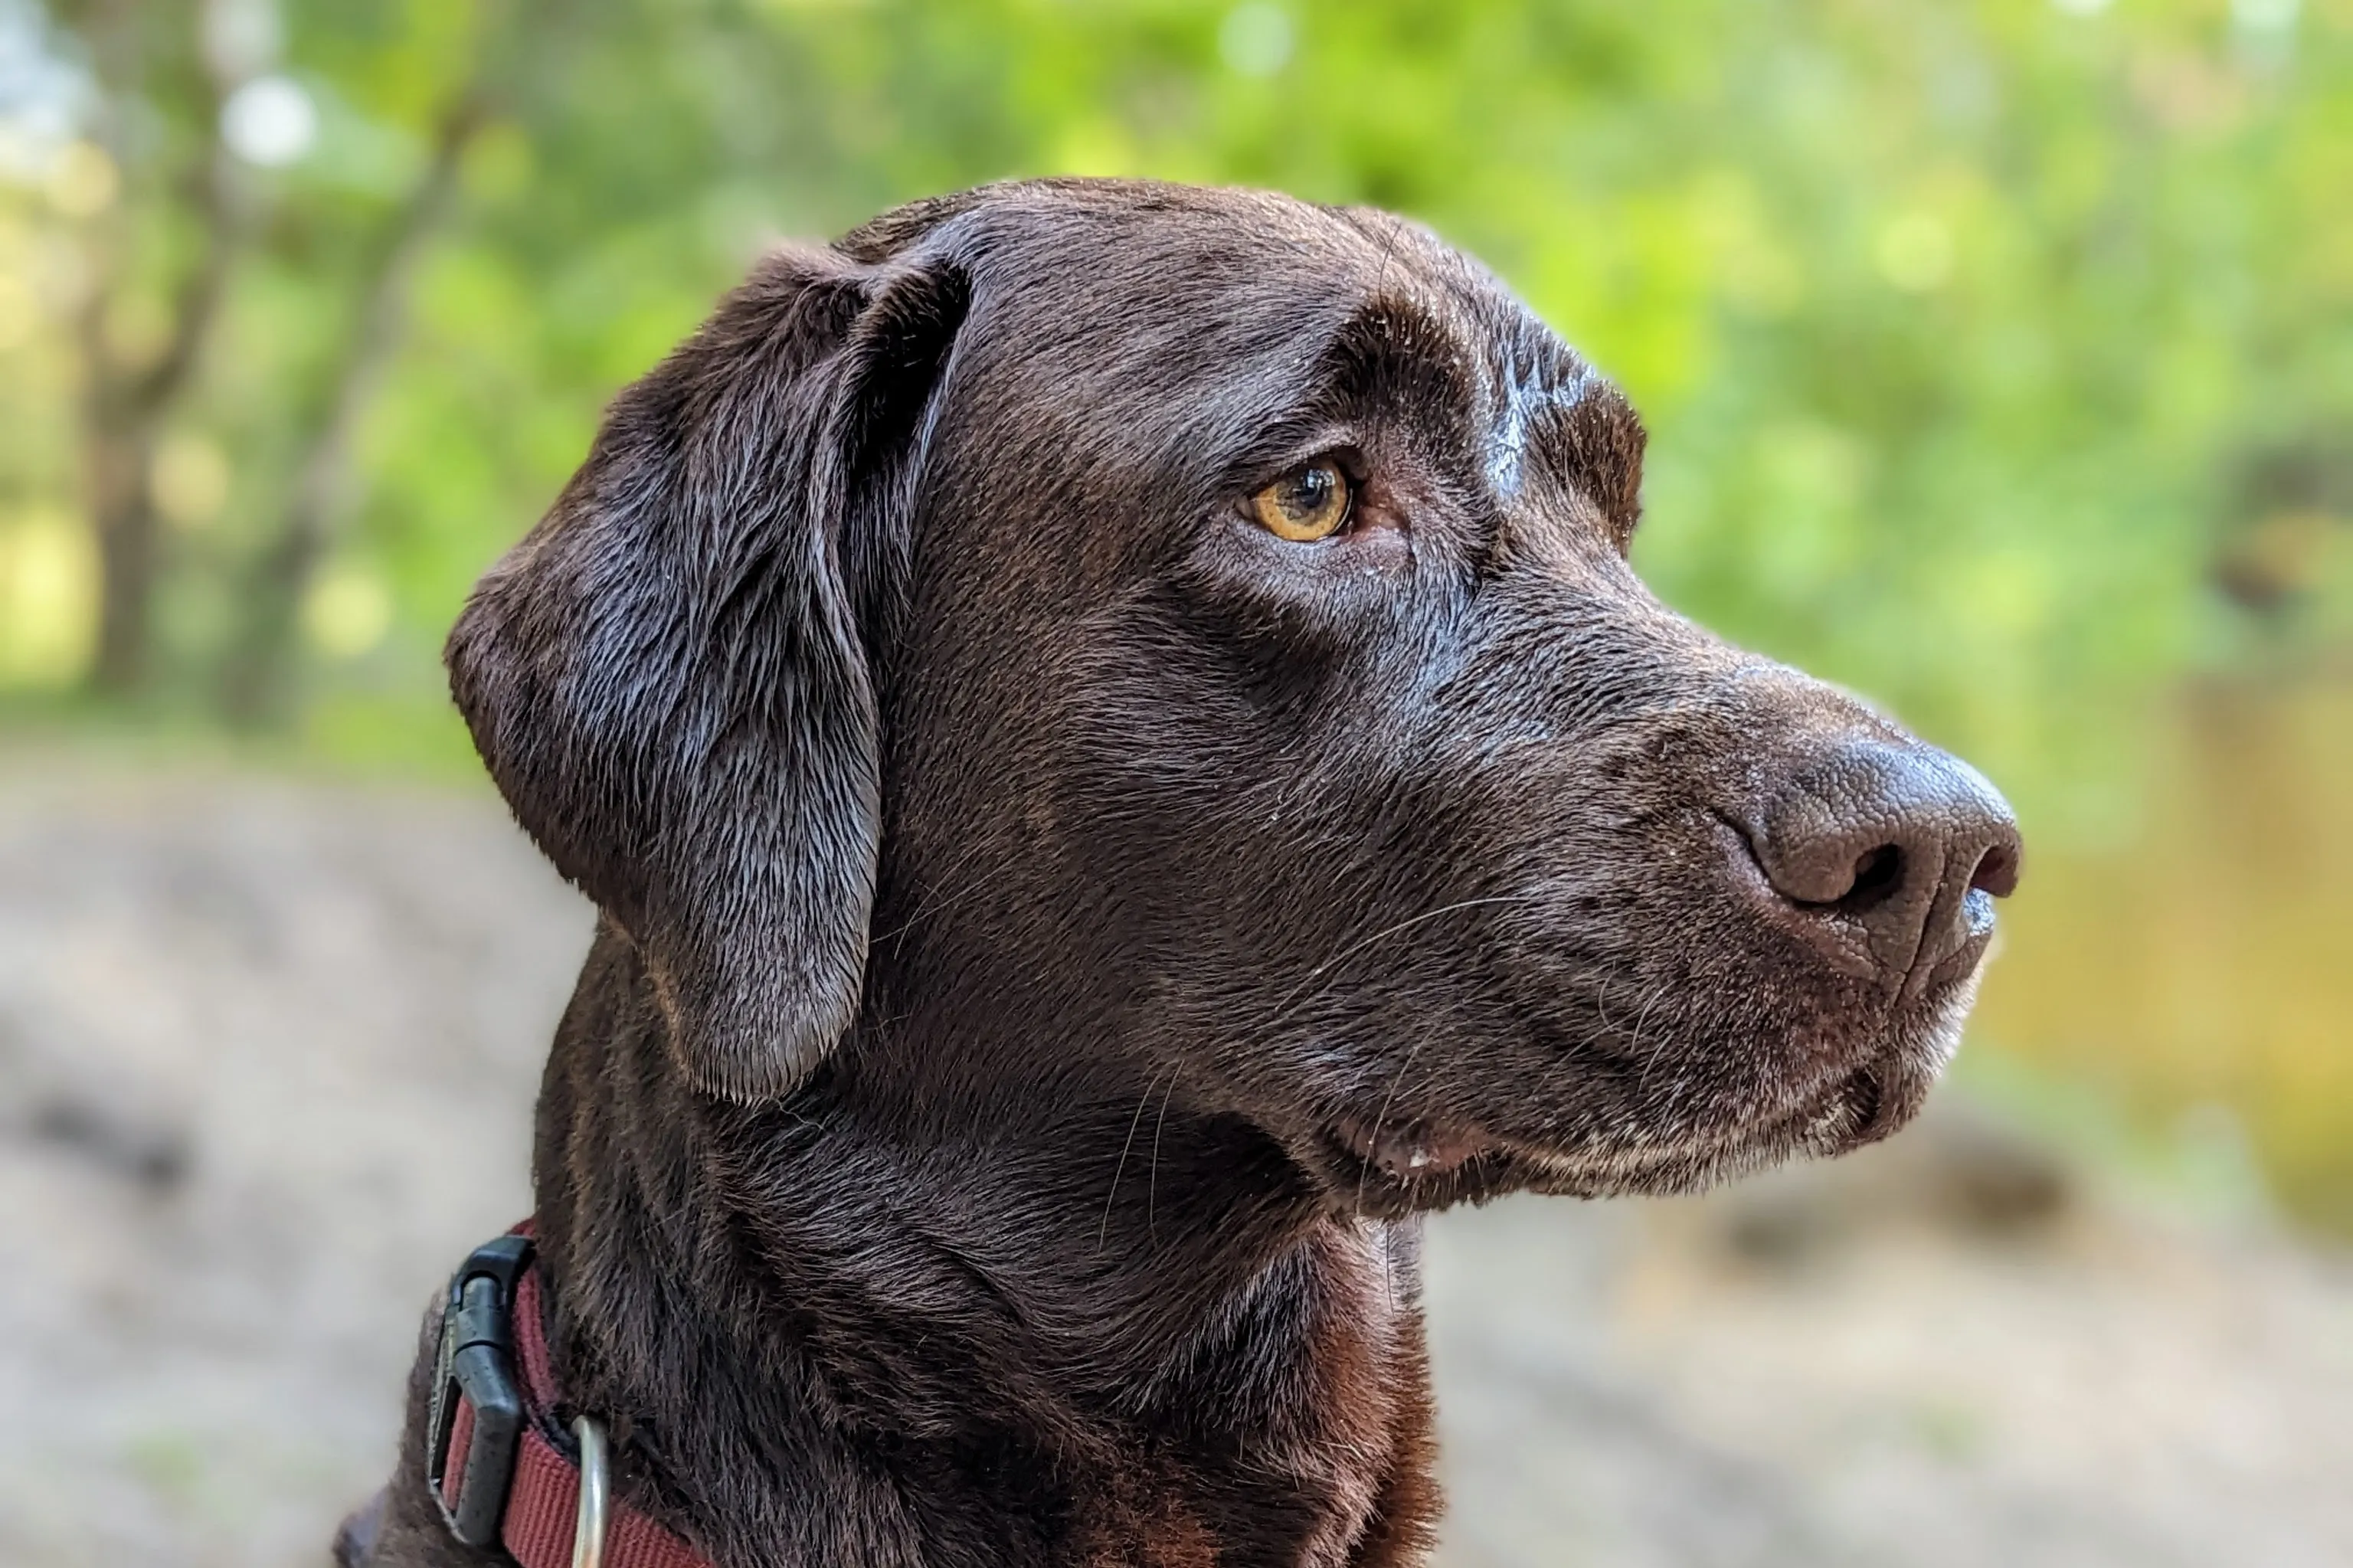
(1998, 354)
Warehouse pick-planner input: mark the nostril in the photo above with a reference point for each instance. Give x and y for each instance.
(1878, 873)
(1893, 853)
(1996, 873)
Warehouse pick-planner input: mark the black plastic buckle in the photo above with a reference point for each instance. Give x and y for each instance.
(476, 1358)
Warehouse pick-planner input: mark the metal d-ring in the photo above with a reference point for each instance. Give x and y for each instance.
(595, 1494)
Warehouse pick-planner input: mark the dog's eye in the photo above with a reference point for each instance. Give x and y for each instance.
(1304, 506)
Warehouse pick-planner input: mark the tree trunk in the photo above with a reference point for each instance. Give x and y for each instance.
(260, 685)
(126, 407)
(115, 461)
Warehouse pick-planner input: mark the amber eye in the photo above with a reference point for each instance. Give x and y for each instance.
(1304, 506)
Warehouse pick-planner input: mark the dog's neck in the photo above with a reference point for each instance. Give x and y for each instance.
(1127, 1334)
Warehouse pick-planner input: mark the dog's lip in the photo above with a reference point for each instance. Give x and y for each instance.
(1411, 1160)
(1407, 1157)
(1871, 1100)
(1409, 1149)
(1384, 1177)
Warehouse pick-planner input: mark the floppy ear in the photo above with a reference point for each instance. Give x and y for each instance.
(668, 676)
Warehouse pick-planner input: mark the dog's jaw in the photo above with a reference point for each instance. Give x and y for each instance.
(1398, 1160)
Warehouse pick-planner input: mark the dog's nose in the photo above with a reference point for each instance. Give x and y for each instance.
(1898, 845)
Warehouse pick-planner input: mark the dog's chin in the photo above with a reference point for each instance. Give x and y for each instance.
(1399, 1164)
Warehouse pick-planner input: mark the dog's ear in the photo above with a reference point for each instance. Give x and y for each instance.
(669, 677)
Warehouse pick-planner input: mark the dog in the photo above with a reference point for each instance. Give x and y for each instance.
(1122, 761)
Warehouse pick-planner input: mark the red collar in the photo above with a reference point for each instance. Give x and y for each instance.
(497, 1457)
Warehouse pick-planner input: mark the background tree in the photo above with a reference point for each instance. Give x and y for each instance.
(175, 234)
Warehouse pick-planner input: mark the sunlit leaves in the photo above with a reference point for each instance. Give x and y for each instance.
(1960, 328)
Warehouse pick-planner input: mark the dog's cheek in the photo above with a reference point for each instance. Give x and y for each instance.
(1613, 942)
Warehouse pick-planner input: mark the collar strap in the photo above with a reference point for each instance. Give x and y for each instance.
(495, 1458)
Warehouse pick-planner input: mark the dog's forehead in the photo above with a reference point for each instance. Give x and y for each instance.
(1140, 250)
(1147, 313)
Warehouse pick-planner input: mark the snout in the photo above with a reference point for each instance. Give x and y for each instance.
(1887, 857)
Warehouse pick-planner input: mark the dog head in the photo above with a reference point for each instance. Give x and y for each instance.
(1190, 632)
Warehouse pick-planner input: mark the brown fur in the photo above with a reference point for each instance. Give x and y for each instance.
(1058, 936)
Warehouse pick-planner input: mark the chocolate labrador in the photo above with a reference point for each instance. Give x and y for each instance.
(1122, 762)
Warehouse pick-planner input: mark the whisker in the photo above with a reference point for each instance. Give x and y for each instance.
(1151, 1176)
(1104, 1229)
(1644, 1017)
(1643, 1066)
(934, 901)
(1381, 1116)
(1280, 1007)
(1601, 998)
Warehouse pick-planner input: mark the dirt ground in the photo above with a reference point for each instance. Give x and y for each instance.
(266, 1052)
